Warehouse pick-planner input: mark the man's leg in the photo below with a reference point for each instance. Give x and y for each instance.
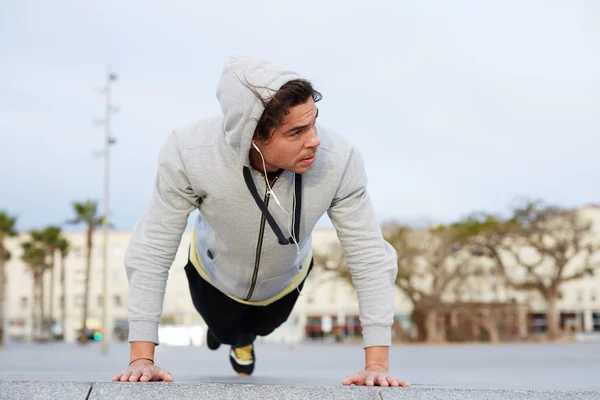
(222, 314)
(262, 321)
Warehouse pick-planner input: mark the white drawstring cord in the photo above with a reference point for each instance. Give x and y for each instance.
(272, 193)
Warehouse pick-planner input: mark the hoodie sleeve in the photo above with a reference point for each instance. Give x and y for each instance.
(371, 260)
(155, 241)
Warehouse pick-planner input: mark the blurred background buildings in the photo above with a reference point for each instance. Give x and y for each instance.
(327, 309)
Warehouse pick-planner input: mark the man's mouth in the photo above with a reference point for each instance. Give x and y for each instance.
(309, 159)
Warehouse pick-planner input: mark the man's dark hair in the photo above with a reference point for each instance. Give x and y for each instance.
(291, 94)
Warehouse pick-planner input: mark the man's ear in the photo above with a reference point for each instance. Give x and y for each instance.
(255, 138)
(262, 141)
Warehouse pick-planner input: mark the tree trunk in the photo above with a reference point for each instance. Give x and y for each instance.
(553, 322)
(52, 284)
(489, 323)
(418, 321)
(63, 283)
(2, 288)
(42, 302)
(35, 305)
(83, 338)
(432, 334)
(454, 319)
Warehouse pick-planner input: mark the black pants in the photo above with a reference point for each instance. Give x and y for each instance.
(232, 322)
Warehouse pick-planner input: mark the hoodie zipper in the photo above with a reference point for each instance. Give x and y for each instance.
(260, 242)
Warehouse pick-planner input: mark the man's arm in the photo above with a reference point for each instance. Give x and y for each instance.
(377, 356)
(153, 246)
(371, 260)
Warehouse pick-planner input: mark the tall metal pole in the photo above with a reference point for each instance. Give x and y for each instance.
(105, 219)
(109, 140)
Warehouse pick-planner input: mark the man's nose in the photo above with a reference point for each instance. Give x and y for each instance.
(313, 139)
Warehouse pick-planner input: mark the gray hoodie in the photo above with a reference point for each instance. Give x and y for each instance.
(201, 166)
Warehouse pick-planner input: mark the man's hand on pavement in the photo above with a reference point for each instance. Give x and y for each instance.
(143, 371)
(374, 376)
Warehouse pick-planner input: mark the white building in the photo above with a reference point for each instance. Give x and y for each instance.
(324, 303)
(320, 297)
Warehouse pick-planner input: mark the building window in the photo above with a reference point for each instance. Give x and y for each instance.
(80, 276)
(62, 302)
(79, 252)
(529, 300)
(580, 296)
(24, 303)
(593, 297)
(538, 323)
(100, 301)
(117, 301)
(26, 278)
(596, 321)
(17, 323)
(79, 300)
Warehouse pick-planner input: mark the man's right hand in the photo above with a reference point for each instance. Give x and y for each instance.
(143, 371)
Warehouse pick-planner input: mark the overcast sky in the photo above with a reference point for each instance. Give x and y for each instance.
(456, 106)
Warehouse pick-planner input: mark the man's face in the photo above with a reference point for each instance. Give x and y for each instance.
(293, 145)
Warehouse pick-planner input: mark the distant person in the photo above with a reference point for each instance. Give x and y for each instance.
(261, 174)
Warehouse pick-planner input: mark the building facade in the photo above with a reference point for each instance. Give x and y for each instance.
(326, 306)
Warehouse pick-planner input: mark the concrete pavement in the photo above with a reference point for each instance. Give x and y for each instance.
(17, 390)
(307, 371)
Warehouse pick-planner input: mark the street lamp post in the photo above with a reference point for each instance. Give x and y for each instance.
(109, 141)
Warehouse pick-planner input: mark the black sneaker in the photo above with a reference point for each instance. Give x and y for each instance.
(211, 341)
(242, 359)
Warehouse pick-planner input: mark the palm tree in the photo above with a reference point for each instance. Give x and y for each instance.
(7, 228)
(49, 237)
(85, 213)
(63, 248)
(34, 255)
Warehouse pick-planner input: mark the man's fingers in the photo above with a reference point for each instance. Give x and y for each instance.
(135, 376)
(165, 376)
(402, 383)
(147, 375)
(350, 379)
(125, 376)
(393, 381)
(382, 381)
(117, 377)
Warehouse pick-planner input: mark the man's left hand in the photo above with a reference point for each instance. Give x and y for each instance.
(374, 376)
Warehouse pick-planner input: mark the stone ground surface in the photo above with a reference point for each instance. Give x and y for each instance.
(307, 371)
(18, 390)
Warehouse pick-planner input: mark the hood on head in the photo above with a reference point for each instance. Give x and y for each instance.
(241, 108)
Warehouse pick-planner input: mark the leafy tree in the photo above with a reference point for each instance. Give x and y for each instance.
(86, 213)
(63, 247)
(7, 229)
(49, 237)
(35, 257)
(539, 248)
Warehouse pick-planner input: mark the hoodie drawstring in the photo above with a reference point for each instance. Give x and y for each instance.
(298, 209)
